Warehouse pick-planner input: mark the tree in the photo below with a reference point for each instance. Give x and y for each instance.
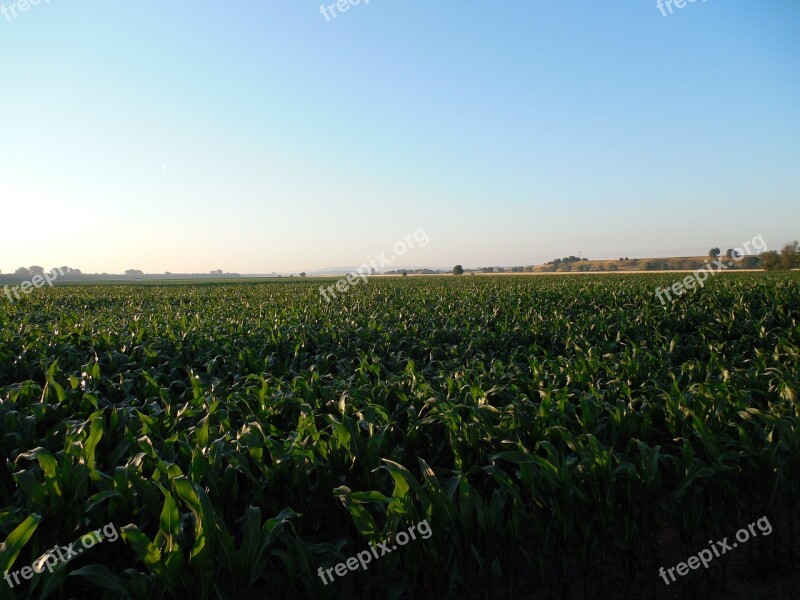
(22, 272)
(303, 274)
(405, 273)
(714, 253)
(770, 261)
(750, 262)
(458, 270)
(36, 270)
(790, 255)
(133, 273)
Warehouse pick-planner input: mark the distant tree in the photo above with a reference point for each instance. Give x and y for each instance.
(36, 270)
(373, 271)
(499, 270)
(714, 252)
(458, 270)
(731, 253)
(303, 274)
(22, 272)
(133, 273)
(405, 273)
(750, 262)
(583, 268)
(770, 261)
(790, 255)
(626, 258)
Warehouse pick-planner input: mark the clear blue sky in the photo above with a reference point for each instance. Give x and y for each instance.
(257, 136)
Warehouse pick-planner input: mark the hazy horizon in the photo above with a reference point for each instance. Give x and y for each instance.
(341, 269)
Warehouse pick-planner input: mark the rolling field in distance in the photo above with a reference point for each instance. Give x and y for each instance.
(564, 437)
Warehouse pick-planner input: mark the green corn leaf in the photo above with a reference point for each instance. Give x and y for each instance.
(102, 577)
(10, 549)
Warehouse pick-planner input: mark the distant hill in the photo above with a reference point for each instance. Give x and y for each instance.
(677, 263)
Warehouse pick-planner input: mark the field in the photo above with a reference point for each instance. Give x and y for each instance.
(563, 437)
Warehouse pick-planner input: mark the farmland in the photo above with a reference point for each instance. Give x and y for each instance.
(563, 436)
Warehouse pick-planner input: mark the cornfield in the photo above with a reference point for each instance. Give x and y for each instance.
(563, 436)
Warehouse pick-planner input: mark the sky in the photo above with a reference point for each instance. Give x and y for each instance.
(265, 136)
